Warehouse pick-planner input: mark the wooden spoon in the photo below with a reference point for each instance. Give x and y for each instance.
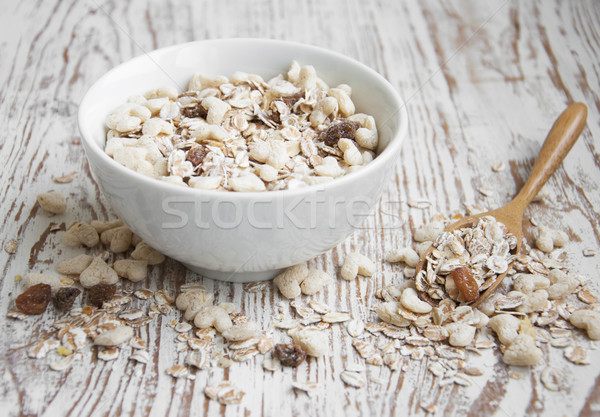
(558, 143)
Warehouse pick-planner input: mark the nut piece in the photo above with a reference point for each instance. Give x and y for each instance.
(357, 264)
(537, 301)
(191, 302)
(35, 300)
(114, 337)
(388, 312)
(54, 281)
(81, 233)
(144, 252)
(214, 316)
(239, 332)
(289, 354)
(460, 334)
(74, 266)
(548, 239)
(65, 297)
(466, 284)
(100, 226)
(100, 293)
(527, 283)
(288, 282)
(313, 342)
(588, 320)
(407, 255)
(314, 281)
(562, 284)
(53, 202)
(506, 327)
(131, 269)
(411, 301)
(98, 272)
(522, 352)
(118, 239)
(428, 232)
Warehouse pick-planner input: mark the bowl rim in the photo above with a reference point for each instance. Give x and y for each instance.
(390, 151)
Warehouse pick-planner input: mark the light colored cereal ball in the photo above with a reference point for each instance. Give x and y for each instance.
(314, 281)
(53, 202)
(522, 352)
(288, 282)
(98, 272)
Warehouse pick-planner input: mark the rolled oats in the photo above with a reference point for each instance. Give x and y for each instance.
(11, 246)
(108, 354)
(355, 327)
(178, 371)
(577, 355)
(353, 379)
(552, 378)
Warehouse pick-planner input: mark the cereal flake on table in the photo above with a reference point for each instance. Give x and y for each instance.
(243, 133)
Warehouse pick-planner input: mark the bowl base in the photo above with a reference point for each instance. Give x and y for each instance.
(239, 277)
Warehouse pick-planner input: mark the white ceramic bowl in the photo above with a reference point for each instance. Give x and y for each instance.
(230, 236)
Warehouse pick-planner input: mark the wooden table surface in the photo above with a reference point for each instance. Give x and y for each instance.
(483, 82)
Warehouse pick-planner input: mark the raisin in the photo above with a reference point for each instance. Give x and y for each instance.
(196, 155)
(466, 284)
(65, 297)
(336, 131)
(194, 111)
(35, 300)
(289, 354)
(291, 100)
(100, 293)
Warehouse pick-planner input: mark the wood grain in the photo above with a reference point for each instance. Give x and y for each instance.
(482, 82)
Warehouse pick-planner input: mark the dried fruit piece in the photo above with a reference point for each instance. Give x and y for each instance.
(196, 155)
(100, 293)
(35, 300)
(336, 131)
(466, 284)
(65, 297)
(194, 111)
(289, 354)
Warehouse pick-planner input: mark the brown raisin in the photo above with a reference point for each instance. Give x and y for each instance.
(35, 299)
(466, 284)
(196, 155)
(65, 297)
(194, 111)
(100, 293)
(289, 354)
(336, 131)
(291, 100)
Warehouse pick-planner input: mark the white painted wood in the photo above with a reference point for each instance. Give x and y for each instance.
(483, 82)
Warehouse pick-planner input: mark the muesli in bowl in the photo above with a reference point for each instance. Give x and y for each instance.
(242, 133)
(242, 236)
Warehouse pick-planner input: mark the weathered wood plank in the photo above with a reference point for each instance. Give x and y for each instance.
(483, 82)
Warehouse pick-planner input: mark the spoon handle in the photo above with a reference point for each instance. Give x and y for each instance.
(561, 138)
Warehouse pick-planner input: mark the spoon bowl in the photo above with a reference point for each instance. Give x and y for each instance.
(562, 136)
